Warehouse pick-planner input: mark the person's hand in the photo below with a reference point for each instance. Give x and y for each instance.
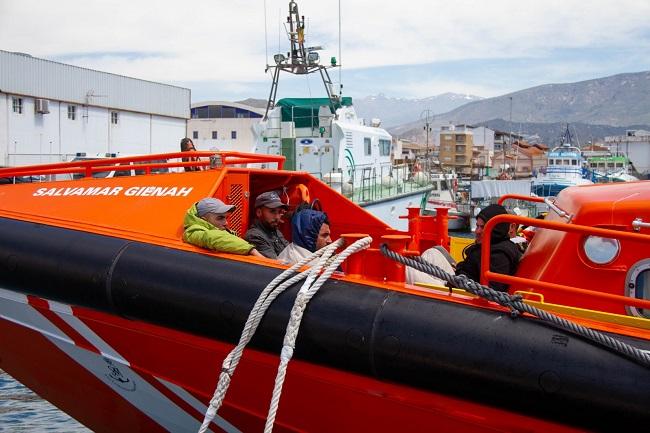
(255, 253)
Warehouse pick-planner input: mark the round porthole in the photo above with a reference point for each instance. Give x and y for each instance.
(601, 251)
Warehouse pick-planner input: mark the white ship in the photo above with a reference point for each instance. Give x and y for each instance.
(325, 137)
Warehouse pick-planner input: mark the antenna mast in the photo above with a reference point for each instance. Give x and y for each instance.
(299, 60)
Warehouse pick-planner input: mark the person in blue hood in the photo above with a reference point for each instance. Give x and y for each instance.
(310, 231)
(504, 255)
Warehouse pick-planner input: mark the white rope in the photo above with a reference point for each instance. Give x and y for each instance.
(265, 299)
(307, 291)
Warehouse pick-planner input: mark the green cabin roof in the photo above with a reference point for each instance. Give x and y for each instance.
(607, 159)
(304, 111)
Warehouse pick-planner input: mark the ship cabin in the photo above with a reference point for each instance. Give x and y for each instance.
(589, 257)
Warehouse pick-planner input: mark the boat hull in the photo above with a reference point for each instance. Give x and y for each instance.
(138, 333)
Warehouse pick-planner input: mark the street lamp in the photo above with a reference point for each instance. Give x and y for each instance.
(428, 117)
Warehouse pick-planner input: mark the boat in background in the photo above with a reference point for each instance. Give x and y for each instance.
(325, 137)
(566, 167)
(445, 193)
(612, 168)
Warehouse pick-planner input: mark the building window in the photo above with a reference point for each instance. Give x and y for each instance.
(72, 112)
(17, 105)
(384, 147)
(114, 117)
(233, 135)
(214, 135)
(195, 135)
(367, 145)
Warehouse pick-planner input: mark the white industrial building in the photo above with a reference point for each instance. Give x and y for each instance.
(635, 144)
(221, 125)
(50, 111)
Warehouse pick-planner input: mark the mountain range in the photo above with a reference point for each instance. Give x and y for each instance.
(596, 108)
(396, 111)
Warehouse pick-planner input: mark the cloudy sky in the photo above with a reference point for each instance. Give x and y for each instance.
(413, 49)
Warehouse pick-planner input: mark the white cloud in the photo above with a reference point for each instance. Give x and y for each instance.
(224, 40)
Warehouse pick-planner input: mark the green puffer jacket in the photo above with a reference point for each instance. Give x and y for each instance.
(201, 233)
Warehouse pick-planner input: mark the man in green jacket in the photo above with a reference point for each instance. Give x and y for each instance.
(206, 226)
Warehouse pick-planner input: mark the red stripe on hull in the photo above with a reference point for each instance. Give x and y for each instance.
(43, 307)
(37, 363)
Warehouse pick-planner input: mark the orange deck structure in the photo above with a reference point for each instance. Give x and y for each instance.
(98, 281)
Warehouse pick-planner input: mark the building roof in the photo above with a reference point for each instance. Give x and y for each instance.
(594, 148)
(24, 75)
(230, 104)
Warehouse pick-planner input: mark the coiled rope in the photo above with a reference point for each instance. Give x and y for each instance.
(268, 295)
(517, 306)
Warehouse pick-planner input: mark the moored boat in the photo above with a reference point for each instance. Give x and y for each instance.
(105, 312)
(566, 167)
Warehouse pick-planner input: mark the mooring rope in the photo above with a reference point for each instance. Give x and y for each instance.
(517, 306)
(268, 295)
(306, 293)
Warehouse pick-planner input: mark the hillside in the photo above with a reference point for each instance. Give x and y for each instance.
(395, 111)
(618, 100)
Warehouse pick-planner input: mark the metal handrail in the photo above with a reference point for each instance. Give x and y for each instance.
(87, 167)
(487, 275)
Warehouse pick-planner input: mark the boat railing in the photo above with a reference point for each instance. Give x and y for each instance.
(370, 182)
(145, 164)
(520, 282)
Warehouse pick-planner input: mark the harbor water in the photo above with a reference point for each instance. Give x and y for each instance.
(23, 411)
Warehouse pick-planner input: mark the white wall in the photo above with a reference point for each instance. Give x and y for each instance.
(4, 129)
(484, 137)
(224, 126)
(32, 138)
(166, 134)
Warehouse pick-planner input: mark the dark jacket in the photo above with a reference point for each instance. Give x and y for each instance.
(504, 259)
(504, 254)
(269, 242)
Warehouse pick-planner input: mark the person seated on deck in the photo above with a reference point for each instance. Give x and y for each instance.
(504, 255)
(206, 226)
(310, 231)
(264, 233)
(188, 146)
(435, 257)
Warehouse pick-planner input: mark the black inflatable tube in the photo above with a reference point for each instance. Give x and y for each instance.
(475, 354)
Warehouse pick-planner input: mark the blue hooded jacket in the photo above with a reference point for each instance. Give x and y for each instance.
(305, 226)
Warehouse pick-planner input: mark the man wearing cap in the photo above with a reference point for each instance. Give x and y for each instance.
(206, 226)
(504, 255)
(264, 233)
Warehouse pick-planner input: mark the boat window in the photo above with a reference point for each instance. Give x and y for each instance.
(610, 165)
(638, 286)
(619, 165)
(434, 186)
(567, 162)
(551, 162)
(367, 145)
(443, 185)
(574, 162)
(384, 147)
